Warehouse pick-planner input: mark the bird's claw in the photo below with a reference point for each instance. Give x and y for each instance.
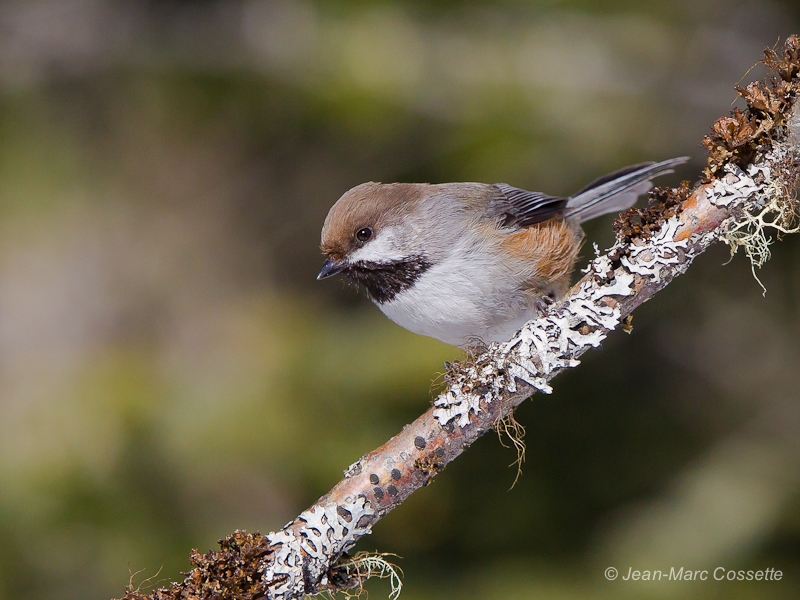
(543, 303)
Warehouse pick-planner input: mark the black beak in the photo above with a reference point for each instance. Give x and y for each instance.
(331, 268)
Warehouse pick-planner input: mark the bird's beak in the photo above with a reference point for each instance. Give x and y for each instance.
(330, 268)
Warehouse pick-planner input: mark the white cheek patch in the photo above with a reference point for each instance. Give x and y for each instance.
(383, 248)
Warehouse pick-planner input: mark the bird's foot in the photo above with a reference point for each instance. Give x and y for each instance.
(543, 303)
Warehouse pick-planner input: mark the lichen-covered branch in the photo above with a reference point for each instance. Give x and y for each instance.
(748, 185)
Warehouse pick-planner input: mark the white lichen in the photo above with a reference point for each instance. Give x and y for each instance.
(306, 553)
(369, 565)
(354, 469)
(768, 202)
(540, 348)
(658, 252)
(459, 401)
(555, 341)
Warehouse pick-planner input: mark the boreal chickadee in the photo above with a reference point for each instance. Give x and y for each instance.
(463, 262)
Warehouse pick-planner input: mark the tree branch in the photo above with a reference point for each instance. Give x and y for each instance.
(748, 185)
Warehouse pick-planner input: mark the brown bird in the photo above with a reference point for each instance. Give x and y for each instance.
(463, 262)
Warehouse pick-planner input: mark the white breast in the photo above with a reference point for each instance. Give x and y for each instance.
(460, 300)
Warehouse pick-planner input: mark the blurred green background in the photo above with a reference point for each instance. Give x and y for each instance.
(170, 370)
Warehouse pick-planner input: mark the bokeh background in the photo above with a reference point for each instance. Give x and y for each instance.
(170, 370)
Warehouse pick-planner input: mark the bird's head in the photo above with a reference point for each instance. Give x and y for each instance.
(372, 236)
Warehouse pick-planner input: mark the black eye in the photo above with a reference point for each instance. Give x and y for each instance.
(363, 234)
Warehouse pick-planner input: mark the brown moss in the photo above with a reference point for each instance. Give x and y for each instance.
(787, 64)
(733, 139)
(643, 222)
(736, 138)
(430, 466)
(233, 572)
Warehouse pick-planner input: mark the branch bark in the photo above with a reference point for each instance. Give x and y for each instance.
(748, 184)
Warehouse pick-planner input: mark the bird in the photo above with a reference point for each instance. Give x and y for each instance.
(468, 263)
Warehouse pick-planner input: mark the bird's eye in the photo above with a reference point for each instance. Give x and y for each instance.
(363, 234)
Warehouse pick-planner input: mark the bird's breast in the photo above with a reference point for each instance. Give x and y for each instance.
(462, 298)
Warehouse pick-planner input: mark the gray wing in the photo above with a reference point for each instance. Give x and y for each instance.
(521, 208)
(619, 190)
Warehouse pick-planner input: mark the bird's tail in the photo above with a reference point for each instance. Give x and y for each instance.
(617, 191)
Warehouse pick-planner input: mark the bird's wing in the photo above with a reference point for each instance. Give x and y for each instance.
(619, 190)
(520, 208)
